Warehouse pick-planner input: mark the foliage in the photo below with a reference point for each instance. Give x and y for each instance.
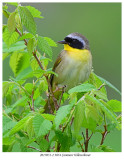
(26, 127)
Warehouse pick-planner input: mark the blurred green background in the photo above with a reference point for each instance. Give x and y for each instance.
(101, 24)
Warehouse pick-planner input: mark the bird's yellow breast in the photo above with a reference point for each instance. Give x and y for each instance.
(78, 54)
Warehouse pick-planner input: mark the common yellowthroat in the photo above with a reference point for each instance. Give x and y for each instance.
(74, 63)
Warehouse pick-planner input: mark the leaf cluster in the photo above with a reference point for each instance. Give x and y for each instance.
(26, 127)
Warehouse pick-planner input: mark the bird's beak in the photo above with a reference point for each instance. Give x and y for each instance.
(62, 42)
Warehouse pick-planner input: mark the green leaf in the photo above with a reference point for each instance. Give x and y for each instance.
(13, 3)
(29, 87)
(106, 148)
(19, 61)
(50, 42)
(49, 117)
(31, 45)
(27, 19)
(26, 73)
(65, 141)
(11, 24)
(10, 38)
(62, 113)
(15, 59)
(26, 36)
(41, 126)
(14, 47)
(107, 112)
(44, 46)
(109, 84)
(34, 12)
(8, 124)
(6, 87)
(29, 127)
(96, 81)
(20, 125)
(79, 116)
(100, 94)
(8, 140)
(115, 105)
(19, 102)
(16, 147)
(44, 145)
(82, 88)
(5, 55)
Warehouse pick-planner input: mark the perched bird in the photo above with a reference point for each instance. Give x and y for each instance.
(74, 63)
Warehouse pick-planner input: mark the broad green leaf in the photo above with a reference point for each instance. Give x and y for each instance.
(5, 55)
(19, 61)
(107, 112)
(31, 45)
(38, 73)
(15, 59)
(16, 147)
(79, 116)
(100, 94)
(34, 64)
(13, 3)
(49, 117)
(62, 113)
(82, 88)
(39, 101)
(41, 125)
(109, 84)
(44, 145)
(6, 87)
(11, 24)
(29, 127)
(10, 38)
(50, 42)
(20, 125)
(44, 46)
(106, 148)
(115, 105)
(8, 140)
(8, 124)
(27, 19)
(65, 140)
(6, 13)
(29, 87)
(35, 12)
(14, 47)
(26, 36)
(19, 102)
(96, 81)
(26, 73)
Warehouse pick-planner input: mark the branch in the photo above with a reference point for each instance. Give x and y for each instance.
(34, 148)
(86, 141)
(104, 134)
(41, 66)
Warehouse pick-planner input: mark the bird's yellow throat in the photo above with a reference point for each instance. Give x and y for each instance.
(77, 54)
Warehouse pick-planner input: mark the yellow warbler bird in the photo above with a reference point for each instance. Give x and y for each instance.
(74, 63)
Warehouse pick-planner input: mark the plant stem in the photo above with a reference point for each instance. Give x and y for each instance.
(104, 134)
(34, 148)
(86, 141)
(41, 66)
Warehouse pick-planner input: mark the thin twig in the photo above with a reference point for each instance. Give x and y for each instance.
(101, 86)
(32, 100)
(86, 141)
(34, 148)
(30, 106)
(63, 90)
(81, 146)
(104, 134)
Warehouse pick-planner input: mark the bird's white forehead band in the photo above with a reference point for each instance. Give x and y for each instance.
(76, 37)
